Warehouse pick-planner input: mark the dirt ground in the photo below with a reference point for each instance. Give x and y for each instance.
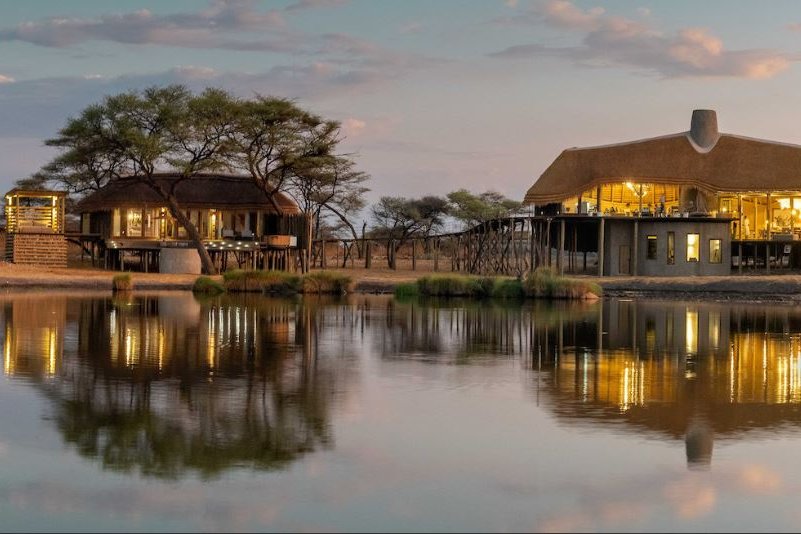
(380, 279)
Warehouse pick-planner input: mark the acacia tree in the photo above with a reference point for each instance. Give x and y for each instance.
(398, 219)
(473, 209)
(334, 187)
(135, 135)
(273, 140)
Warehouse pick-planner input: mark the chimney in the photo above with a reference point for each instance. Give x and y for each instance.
(704, 128)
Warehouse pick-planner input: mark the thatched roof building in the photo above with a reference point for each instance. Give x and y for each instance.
(701, 157)
(218, 191)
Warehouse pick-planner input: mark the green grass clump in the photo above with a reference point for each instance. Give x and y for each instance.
(273, 282)
(326, 282)
(207, 286)
(546, 283)
(121, 282)
(406, 290)
(455, 286)
(507, 288)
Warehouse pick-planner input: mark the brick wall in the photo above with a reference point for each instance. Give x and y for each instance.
(37, 249)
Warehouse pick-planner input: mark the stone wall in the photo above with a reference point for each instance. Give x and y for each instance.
(48, 250)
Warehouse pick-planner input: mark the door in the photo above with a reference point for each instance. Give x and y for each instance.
(625, 260)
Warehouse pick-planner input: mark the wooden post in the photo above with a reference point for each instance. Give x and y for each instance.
(634, 249)
(740, 256)
(560, 261)
(436, 254)
(368, 255)
(414, 254)
(767, 257)
(323, 261)
(548, 242)
(601, 248)
(769, 216)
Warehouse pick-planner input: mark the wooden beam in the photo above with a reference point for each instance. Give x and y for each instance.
(601, 248)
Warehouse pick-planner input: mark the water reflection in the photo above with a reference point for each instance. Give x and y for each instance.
(684, 371)
(166, 385)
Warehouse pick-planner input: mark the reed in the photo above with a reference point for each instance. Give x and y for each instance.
(207, 286)
(121, 282)
(546, 283)
(326, 282)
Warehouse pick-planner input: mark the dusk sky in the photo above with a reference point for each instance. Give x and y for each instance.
(432, 95)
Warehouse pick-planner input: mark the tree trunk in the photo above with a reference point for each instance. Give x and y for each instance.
(205, 260)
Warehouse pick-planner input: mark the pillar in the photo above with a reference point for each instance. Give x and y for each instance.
(634, 249)
(601, 248)
(560, 261)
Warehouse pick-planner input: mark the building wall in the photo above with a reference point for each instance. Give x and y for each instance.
(47, 250)
(620, 233)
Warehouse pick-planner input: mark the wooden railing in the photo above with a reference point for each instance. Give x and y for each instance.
(34, 218)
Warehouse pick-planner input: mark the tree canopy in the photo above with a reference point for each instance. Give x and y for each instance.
(139, 134)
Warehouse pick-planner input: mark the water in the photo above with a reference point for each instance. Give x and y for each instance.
(162, 412)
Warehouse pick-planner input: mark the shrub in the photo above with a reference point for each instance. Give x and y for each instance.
(326, 282)
(507, 288)
(546, 283)
(121, 282)
(455, 286)
(273, 282)
(407, 290)
(207, 286)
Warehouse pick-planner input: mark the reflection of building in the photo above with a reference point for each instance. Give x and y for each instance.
(693, 372)
(165, 384)
(33, 342)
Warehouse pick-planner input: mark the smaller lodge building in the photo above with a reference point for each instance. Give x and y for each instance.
(699, 202)
(126, 224)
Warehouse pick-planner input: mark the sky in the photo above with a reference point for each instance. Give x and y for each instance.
(433, 96)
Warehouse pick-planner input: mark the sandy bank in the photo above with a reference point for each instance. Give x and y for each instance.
(747, 287)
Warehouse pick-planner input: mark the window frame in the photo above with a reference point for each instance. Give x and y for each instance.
(651, 248)
(720, 250)
(671, 248)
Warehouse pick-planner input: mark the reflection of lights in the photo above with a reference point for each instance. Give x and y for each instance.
(8, 363)
(51, 352)
(691, 331)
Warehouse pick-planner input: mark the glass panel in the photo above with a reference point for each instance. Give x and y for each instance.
(134, 219)
(693, 249)
(715, 251)
(115, 223)
(651, 247)
(671, 248)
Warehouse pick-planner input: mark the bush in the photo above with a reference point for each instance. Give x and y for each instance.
(326, 282)
(407, 290)
(507, 288)
(121, 282)
(273, 282)
(546, 283)
(207, 286)
(455, 286)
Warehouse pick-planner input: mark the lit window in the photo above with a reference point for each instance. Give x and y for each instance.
(715, 251)
(671, 248)
(693, 248)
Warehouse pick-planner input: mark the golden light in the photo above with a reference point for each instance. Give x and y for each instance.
(691, 331)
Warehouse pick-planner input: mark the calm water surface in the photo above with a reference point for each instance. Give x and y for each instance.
(162, 412)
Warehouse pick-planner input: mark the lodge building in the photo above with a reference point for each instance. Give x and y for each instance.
(695, 202)
(240, 224)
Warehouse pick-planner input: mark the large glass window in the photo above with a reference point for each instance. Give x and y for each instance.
(651, 250)
(671, 248)
(715, 251)
(693, 247)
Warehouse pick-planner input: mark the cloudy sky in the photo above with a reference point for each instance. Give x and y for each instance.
(432, 95)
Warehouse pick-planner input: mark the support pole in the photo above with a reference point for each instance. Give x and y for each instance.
(601, 248)
(560, 261)
(634, 248)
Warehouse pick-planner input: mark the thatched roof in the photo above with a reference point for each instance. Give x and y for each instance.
(706, 159)
(201, 191)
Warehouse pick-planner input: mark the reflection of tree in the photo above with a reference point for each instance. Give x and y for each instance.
(166, 385)
(440, 330)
